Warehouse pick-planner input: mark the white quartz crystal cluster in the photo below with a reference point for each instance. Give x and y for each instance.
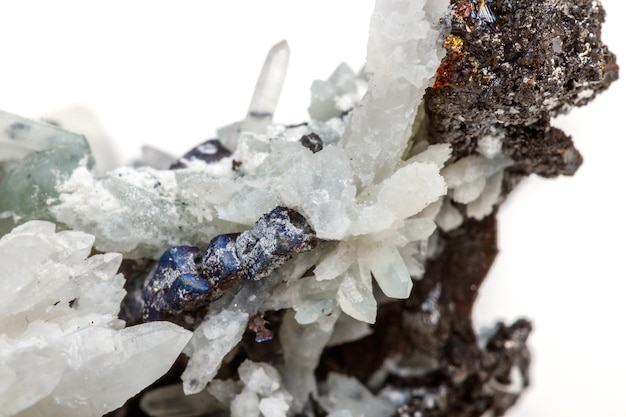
(259, 391)
(63, 351)
(374, 195)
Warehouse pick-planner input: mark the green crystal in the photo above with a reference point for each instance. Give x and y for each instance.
(34, 158)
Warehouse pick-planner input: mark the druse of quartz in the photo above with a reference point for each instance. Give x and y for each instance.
(327, 268)
(63, 351)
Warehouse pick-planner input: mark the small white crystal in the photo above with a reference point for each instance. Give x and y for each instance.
(245, 404)
(483, 205)
(302, 346)
(265, 383)
(389, 269)
(437, 154)
(210, 343)
(355, 296)
(449, 217)
(224, 391)
(346, 393)
(273, 407)
(336, 262)
(259, 377)
(412, 255)
(343, 90)
(490, 146)
(473, 167)
(469, 191)
(311, 299)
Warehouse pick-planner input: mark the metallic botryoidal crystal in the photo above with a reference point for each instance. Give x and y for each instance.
(175, 283)
(185, 281)
(275, 237)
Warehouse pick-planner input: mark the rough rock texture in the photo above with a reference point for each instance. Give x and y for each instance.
(472, 381)
(505, 78)
(343, 255)
(509, 67)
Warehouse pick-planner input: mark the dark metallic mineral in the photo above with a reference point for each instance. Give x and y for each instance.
(275, 237)
(460, 378)
(471, 381)
(510, 66)
(220, 263)
(185, 281)
(208, 152)
(175, 283)
(312, 142)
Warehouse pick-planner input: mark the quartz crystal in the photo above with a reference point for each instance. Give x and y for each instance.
(63, 351)
(327, 268)
(35, 158)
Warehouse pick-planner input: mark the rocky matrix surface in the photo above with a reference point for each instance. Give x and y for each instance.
(327, 268)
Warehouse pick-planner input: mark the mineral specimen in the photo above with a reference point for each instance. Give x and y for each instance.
(327, 268)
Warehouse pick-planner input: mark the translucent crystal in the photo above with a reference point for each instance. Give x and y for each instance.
(128, 210)
(311, 299)
(273, 407)
(390, 271)
(483, 205)
(449, 217)
(265, 381)
(472, 168)
(336, 262)
(245, 404)
(259, 377)
(63, 350)
(224, 391)
(171, 401)
(210, 343)
(344, 393)
(355, 295)
(34, 158)
(302, 346)
(343, 90)
(402, 57)
(348, 329)
(469, 191)
(267, 90)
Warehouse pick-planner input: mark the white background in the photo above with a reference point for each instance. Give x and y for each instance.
(170, 73)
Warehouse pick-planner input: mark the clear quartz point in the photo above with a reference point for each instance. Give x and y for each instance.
(267, 90)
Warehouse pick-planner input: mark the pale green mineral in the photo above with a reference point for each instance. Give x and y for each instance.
(34, 158)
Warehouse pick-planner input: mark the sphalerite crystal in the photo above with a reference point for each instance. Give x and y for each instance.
(327, 268)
